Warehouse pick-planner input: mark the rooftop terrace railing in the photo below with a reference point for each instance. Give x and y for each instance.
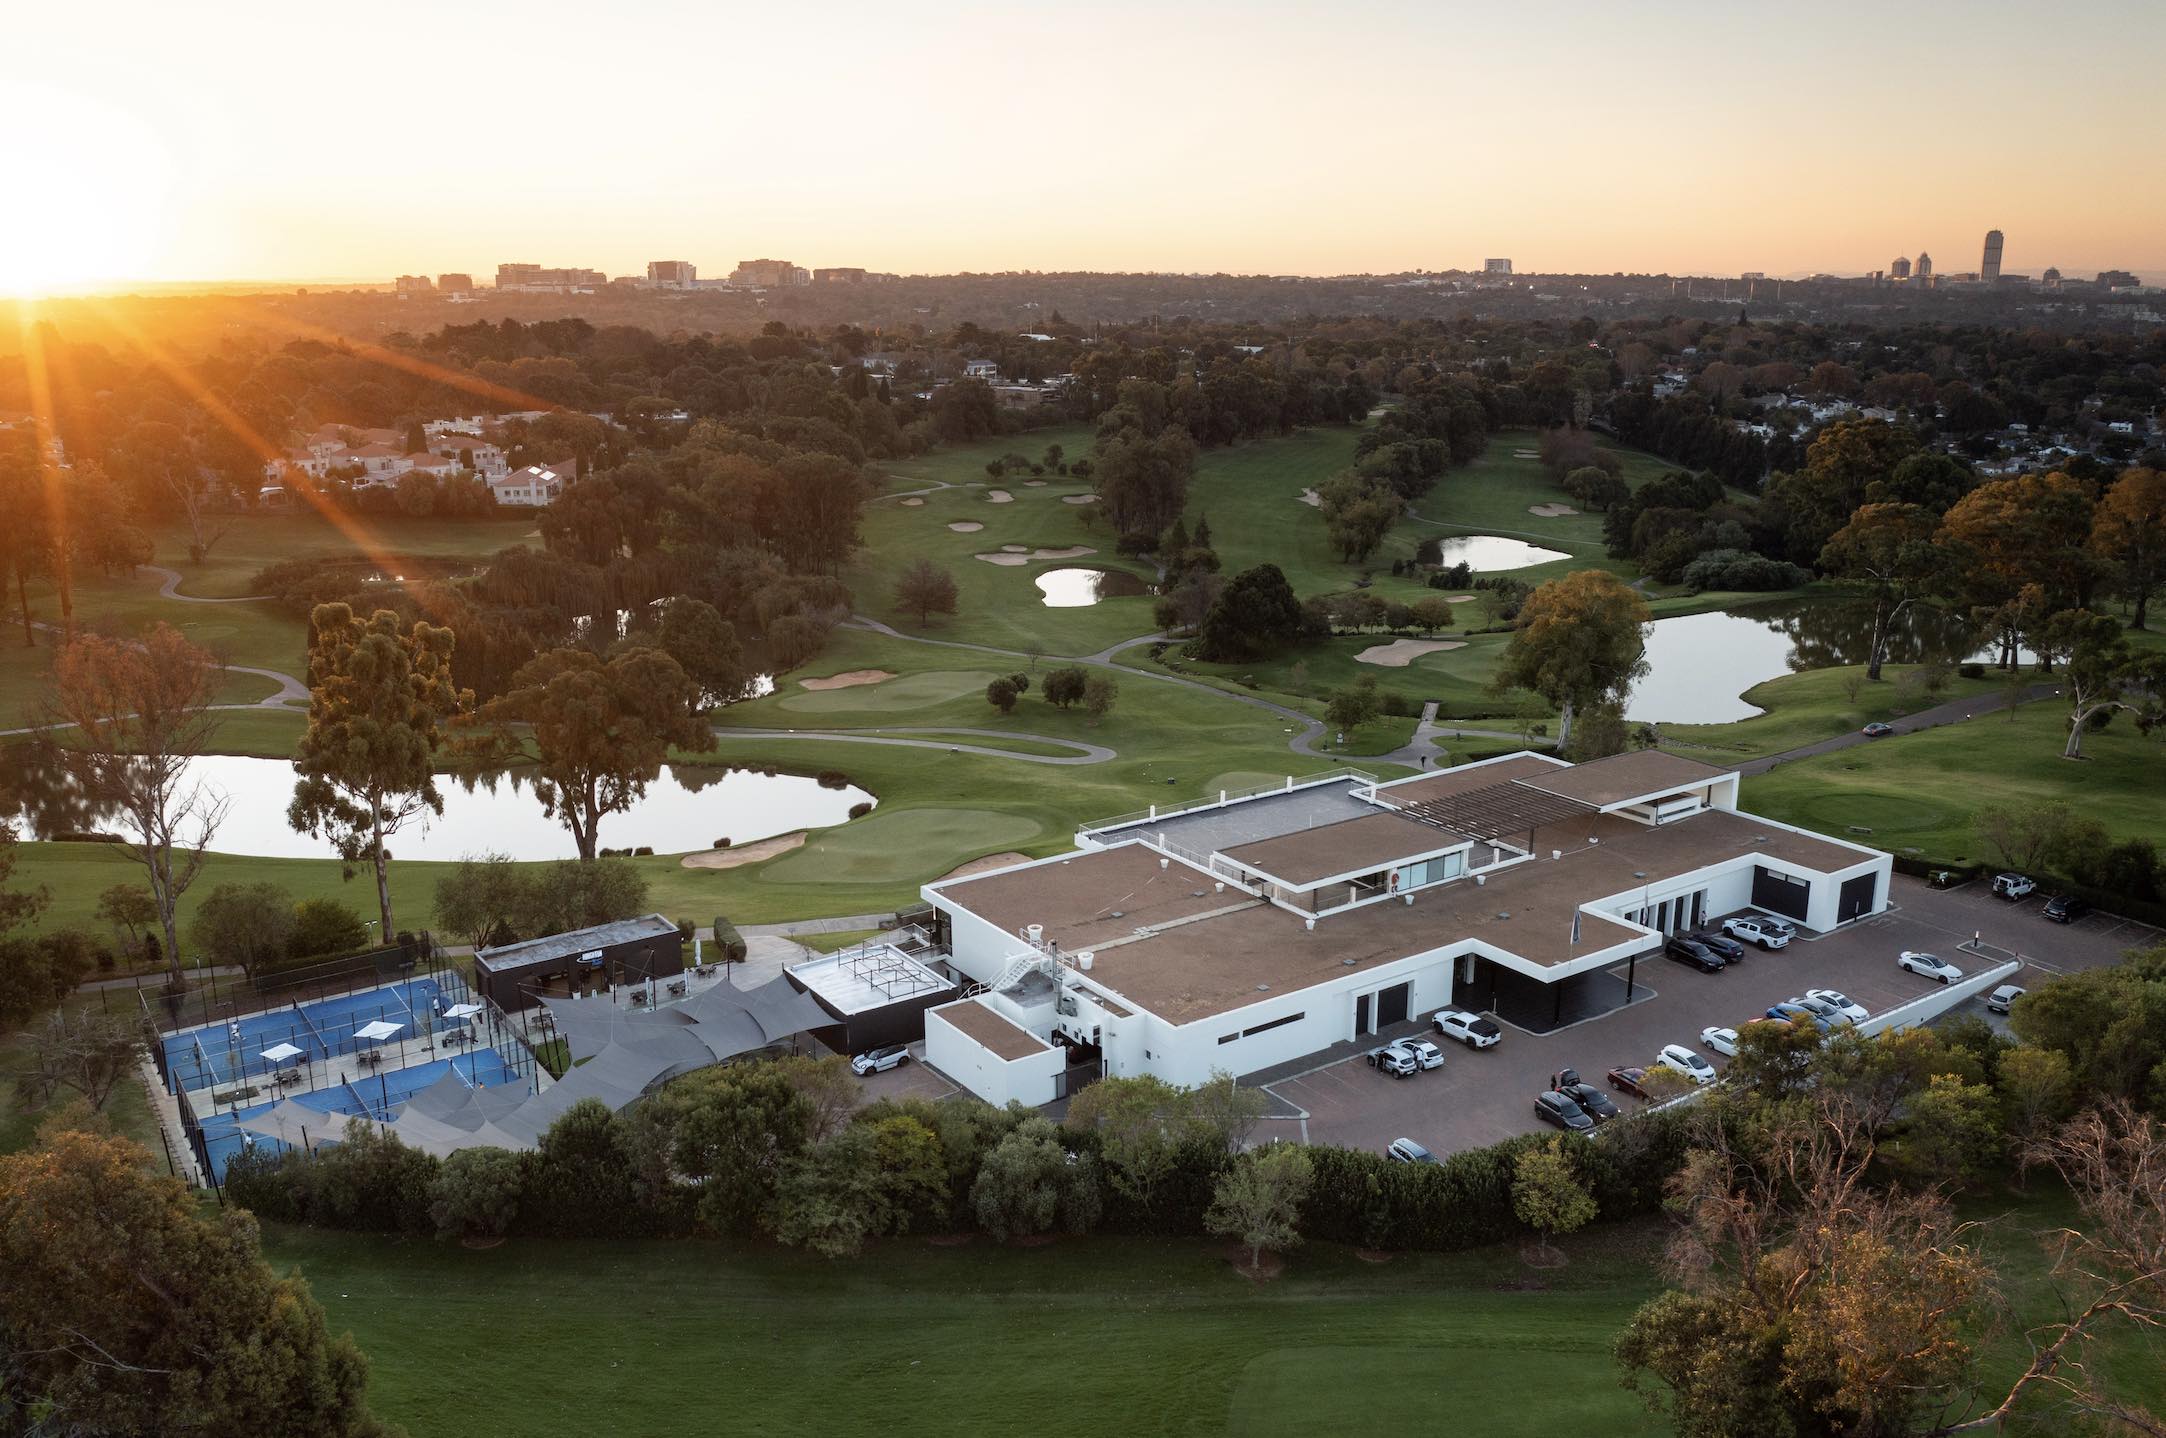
(1289, 785)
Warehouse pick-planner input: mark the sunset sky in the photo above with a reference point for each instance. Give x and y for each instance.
(308, 141)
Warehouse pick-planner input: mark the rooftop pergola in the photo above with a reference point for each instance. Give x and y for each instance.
(1497, 811)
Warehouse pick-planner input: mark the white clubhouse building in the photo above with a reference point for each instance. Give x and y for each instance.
(1251, 930)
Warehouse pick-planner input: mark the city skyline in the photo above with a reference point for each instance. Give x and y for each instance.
(1374, 139)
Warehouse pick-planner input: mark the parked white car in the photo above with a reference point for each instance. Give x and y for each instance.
(1427, 1054)
(1722, 1041)
(1932, 966)
(1850, 1008)
(879, 1061)
(1826, 1009)
(1753, 929)
(1679, 1059)
(2004, 997)
(2014, 887)
(1472, 1030)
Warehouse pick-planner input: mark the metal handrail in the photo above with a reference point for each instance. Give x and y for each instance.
(1290, 784)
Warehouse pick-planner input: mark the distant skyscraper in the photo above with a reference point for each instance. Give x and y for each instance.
(1924, 268)
(1989, 269)
(672, 274)
(1899, 268)
(1496, 267)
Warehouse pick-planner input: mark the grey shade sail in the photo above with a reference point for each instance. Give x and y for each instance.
(295, 1123)
(619, 1055)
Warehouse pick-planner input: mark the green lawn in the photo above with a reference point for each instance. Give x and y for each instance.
(1806, 708)
(1163, 1337)
(1920, 791)
(965, 463)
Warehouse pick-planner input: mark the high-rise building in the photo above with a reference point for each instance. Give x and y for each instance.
(1989, 269)
(455, 284)
(1899, 268)
(1496, 267)
(536, 277)
(769, 274)
(414, 285)
(1923, 269)
(2116, 280)
(672, 274)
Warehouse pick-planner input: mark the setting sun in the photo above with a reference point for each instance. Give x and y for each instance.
(91, 183)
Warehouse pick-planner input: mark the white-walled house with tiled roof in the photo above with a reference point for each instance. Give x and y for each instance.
(1246, 931)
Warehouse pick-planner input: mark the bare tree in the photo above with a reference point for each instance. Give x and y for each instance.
(2114, 1160)
(140, 715)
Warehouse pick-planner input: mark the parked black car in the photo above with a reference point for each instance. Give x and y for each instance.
(1729, 949)
(1695, 953)
(1599, 1106)
(2065, 908)
(1557, 1109)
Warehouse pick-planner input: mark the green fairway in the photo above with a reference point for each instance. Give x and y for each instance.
(1920, 791)
(627, 1338)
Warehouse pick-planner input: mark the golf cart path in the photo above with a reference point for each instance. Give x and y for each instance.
(170, 589)
(1955, 711)
(1091, 753)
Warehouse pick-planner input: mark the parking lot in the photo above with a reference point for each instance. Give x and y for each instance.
(1480, 1097)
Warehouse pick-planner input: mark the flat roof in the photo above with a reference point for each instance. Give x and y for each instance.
(1206, 956)
(1622, 777)
(1347, 847)
(1093, 897)
(1218, 828)
(995, 1030)
(578, 941)
(868, 977)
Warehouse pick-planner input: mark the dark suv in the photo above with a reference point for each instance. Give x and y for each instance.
(1564, 1113)
(2065, 908)
(1695, 953)
(1729, 950)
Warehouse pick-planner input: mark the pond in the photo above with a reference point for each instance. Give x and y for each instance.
(1493, 552)
(686, 808)
(1700, 664)
(1073, 588)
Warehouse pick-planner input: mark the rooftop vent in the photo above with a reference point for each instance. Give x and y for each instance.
(1263, 988)
(1309, 924)
(1165, 863)
(1085, 959)
(1556, 853)
(1349, 963)
(1120, 913)
(1481, 878)
(1035, 933)
(1504, 913)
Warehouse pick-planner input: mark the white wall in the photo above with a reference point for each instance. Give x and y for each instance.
(1940, 1000)
(1029, 1081)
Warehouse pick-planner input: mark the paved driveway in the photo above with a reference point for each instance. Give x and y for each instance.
(1478, 1098)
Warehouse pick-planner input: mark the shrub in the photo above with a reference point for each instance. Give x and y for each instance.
(1971, 671)
(324, 926)
(476, 1192)
(1029, 1184)
(860, 809)
(833, 779)
(1741, 569)
(727, 941)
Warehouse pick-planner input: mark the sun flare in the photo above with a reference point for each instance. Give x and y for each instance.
(88, 185)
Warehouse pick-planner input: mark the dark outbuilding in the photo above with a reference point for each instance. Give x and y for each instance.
(625, 951)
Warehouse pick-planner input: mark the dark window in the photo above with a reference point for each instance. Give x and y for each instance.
(1265, 1028)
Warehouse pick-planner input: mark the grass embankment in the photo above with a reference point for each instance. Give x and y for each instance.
(1817, 704)
(1921, 792)
(1164, 1336)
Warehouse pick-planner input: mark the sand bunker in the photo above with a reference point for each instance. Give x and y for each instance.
(850, 680)
(979, 866)
(731, 858)
(966, 526)
(1402, 652)
(999, 496)
(1312, 499)
(1015, 548)
(1074, 552)
(1033, 484)
(914, 501)
(1024, 554)
(1005, 558)
(1525, 454)
(1551, 510)
(1079, 499)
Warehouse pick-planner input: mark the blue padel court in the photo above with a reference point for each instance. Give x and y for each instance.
(233, 1052)
(375, 1095)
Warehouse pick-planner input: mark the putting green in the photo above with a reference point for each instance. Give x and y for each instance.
(892, 696)
(890, 846)
(1885, 814)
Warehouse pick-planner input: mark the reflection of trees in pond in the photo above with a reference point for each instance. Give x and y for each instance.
(38, 789)
(1827, 633)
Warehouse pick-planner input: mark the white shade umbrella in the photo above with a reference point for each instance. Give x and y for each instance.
(378, 1029)
(462, 1011)
(279, 1053)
